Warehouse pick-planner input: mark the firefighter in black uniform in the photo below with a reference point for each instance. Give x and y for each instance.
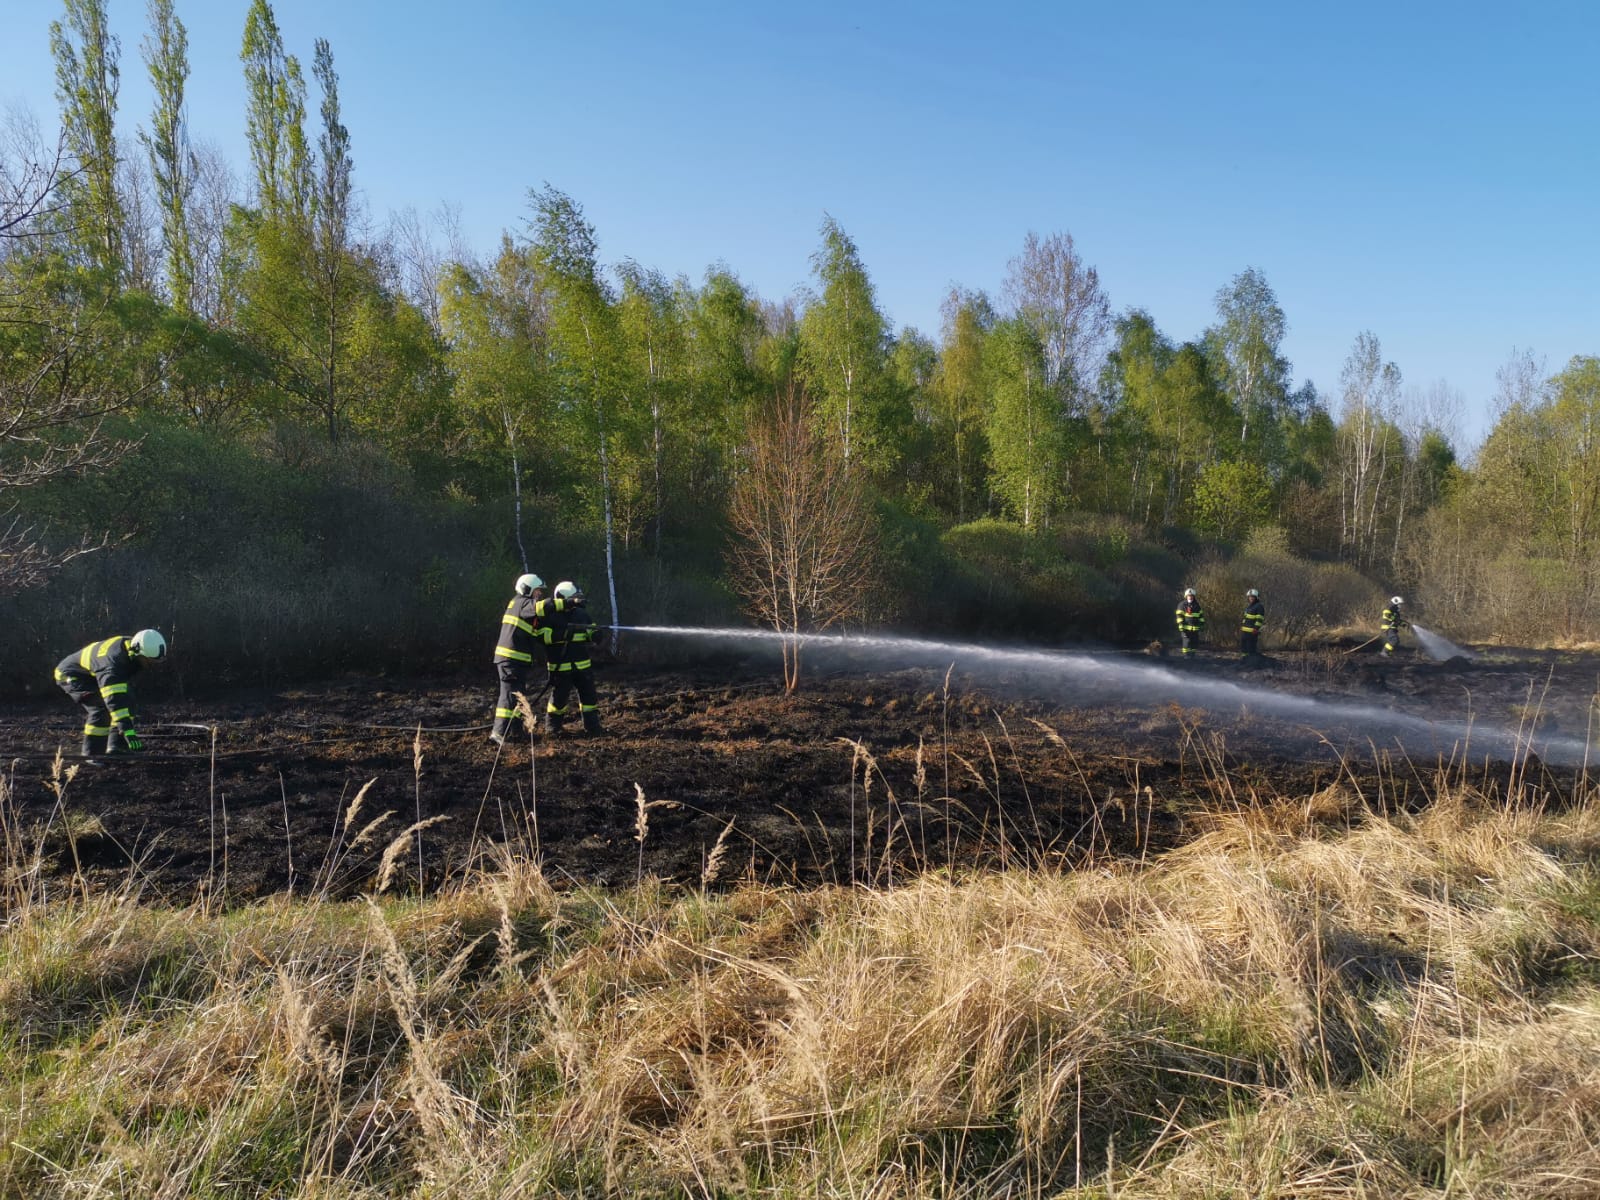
(569, 643)
(520, 637)
(1255, 616)
(1191, 621)
(98, 677)
(1393, 622)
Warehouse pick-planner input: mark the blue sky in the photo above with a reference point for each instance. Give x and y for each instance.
(1430, 172)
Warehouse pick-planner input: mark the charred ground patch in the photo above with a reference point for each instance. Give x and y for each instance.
(865, 776)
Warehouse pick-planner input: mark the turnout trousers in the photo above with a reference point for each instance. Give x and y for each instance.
(513, 679)
(581, 680)
(85, 691)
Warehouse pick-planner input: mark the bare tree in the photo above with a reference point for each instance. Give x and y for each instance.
(53, 399)
(803, 555)
(1059, 295)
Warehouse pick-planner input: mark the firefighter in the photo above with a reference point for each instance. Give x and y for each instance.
(98, 678)
(520, 636)
(1255, 616)
(570, 640)
(1191, 621)
(1393, 622)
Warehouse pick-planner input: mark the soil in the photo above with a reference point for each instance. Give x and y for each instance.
(859, 775)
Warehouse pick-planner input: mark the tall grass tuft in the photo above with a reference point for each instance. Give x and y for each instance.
(1312, 998)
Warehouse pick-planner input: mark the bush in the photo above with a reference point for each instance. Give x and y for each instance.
(1300, 597)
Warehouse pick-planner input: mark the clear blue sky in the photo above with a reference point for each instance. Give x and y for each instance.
(1427, 171)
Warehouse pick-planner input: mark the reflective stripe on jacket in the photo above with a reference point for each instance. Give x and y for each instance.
(1191, 618)
(1255, 616)
(109, 666)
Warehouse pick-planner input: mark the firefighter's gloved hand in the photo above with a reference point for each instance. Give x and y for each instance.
(132, 741)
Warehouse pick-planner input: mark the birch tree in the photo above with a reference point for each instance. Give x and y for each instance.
(843, 350)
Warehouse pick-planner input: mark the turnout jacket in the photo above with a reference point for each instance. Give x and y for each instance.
(522, 627)
(1255, 616)
(567, 642)
(1393, 618)
(107, 667)
(1191, 617)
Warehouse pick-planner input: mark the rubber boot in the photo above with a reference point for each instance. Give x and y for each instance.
(591, 723)
(553, 722)
(93, 743)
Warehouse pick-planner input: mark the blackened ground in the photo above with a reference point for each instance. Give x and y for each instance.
(857, 776)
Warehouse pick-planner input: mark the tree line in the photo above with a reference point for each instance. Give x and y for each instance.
(1043, 445)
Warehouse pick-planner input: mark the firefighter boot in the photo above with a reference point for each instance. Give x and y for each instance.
(553, 719)
(591, 723)
(93, 743)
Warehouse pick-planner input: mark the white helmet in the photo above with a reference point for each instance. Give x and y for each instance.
(1253, 594)
(1188, 593)
(1396, 600)
(566, 589)
(528, 584)
(148, 644)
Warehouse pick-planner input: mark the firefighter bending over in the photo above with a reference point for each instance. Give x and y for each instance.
(569, 642)
(520, 635)
(1191, 621)
(1255, 616)
(98, 678)
(1393, 622)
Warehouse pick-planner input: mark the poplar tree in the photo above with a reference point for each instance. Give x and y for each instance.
(87, 78)
(172, 165)
(330, 266)
(275, 111)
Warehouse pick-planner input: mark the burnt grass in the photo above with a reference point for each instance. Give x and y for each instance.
(861, 776)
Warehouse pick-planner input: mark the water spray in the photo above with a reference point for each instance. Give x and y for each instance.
(1108, 676)
(1438, 647)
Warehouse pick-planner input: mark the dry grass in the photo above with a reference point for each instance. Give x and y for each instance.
(1310, 1000)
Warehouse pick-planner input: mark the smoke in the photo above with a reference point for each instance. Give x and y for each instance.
(1088, 678)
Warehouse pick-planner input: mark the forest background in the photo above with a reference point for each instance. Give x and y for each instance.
(235, 408)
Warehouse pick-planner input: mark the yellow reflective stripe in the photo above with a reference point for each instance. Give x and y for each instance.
(551, 708)
(119, 715)
(589, 707)
(505, 712)
(509, 619)
(94, 729)
(584, 665)
(508, 652)
(83, 658)
(113, 689)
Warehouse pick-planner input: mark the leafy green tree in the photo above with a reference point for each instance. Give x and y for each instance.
(588, 343)
(275, 118)
(497, 323)
(843, 353)
(653, 316)
(1026, 447)
(726, 339)
(1244, 349)
(1233, 497)
(172, 164)
(958, 396)
(87, 79)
